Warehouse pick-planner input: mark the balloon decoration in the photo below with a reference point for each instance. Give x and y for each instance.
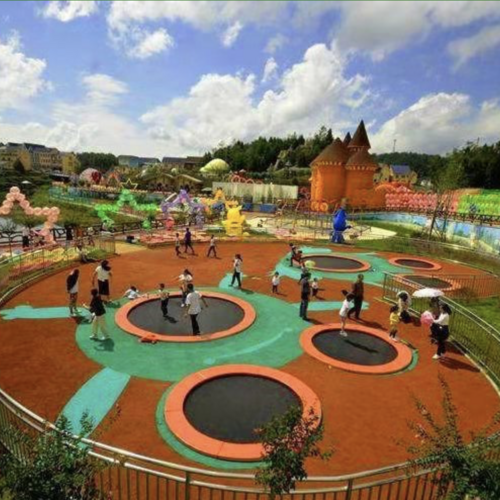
(104, 210)
(52, 214)
(403, 197)
(427, 318)
(186, 204)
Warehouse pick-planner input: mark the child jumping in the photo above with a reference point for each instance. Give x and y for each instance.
(275, 282)
(393, 323)
(314, 287)
(348, 297)
(164, 296)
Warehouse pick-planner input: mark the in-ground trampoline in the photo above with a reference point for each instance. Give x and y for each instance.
(336, 263)
(363, 350)
(226, 315)
(430, 281)
(415, 263)
(218, 411)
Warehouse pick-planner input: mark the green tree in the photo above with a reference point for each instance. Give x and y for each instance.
(53, 465)
(469, 465)
(288, 440)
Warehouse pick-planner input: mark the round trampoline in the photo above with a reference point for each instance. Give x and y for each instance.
(415, 263)
(226, 315)
(338, 264)
(218, 411)
(364, 350)
(432, 282)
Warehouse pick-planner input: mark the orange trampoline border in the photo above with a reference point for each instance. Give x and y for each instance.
(121, 319)
(403, 359)
(435, 265)
(365, 266)
(194, 439)
(407, 279)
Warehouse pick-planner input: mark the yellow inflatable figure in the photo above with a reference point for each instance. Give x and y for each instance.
(234, 222)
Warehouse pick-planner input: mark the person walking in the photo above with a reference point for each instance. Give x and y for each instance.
(305, 294)
(237, 263)
(188, 241)
(441, 331)
(98, 316)
(177, 245)
(358, 290)
(72, 289)
(193, 303)
(164, 298)
(275, 282)
(103, 275)
(212, 247)
(185, 279)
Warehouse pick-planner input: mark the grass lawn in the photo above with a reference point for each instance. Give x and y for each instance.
(487, 309)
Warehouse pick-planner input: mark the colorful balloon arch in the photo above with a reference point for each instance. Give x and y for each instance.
(52, 214)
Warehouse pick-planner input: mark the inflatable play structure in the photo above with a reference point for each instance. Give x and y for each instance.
(339, 222)
(234, 222)
(52, 214)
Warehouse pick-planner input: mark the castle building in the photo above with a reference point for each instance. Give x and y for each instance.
(345, 169)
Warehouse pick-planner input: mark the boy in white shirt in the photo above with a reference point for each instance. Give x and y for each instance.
(132, 293)
(275, 282)
(314, 287)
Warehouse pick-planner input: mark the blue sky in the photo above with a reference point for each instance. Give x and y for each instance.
(172, 78)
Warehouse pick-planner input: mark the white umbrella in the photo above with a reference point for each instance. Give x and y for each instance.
(428, 293)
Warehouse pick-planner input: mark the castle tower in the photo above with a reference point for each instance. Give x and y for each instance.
(328, 173)
(360, 168)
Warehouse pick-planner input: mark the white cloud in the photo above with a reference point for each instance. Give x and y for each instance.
(226, 107)
(150, 44)
(231, 34)
(437, 123)
(103, 89)
(68, 11)
(21, 77)
(275, 43)
(464, 49)
(270, 70)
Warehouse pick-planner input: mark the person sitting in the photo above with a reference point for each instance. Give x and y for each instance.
(132, 293)
(82, 253)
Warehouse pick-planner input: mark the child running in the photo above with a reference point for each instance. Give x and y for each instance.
(164, 297)
(393, 323)
(72, 289)
(348, 297)
(314, 287)
(211, 247)
(275, 282)
(177, 245)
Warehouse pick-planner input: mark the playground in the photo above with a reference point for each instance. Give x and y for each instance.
(163, 397)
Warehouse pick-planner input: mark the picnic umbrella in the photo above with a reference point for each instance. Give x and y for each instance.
(428, 293)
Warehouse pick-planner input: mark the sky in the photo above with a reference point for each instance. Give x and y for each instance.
(168, 78)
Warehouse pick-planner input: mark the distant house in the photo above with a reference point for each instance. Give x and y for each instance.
(187, 162)
(12, 154)
(70, 163)
(396, 173)
(136, 161)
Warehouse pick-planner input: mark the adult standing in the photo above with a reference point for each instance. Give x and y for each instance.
(441, 331)
(26, 238)
(103, 275)
(305, 294)
(72, 289)
(185, 279)
(188, 241)
(212, 247)
(358, 291)
(98, 316)
(193, 303)
(404, 303)
(237, 264)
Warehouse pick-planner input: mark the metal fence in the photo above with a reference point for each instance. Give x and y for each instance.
(21, 269)
(475, 336)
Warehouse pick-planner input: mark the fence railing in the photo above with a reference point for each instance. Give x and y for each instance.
(20, 269)
(477, 337)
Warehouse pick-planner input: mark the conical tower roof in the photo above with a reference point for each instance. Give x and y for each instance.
(362, 158)
(360, 139)
(334, 153)
(347, 139)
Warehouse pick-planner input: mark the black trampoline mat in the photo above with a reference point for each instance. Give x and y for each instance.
(231, 407)
(333, 262)
(357, 348)
(415, 263)
(219, 316)
(429, 281)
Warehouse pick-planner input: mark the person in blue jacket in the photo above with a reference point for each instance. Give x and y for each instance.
(339, 225)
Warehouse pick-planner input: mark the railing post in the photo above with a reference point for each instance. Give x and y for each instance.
(187, 486)
(348, 493)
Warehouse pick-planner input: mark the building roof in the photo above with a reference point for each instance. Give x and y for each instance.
(362, 158)
(173, 159)
(347, 139)
(335, 152)
(360, 139)
(401, 169)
